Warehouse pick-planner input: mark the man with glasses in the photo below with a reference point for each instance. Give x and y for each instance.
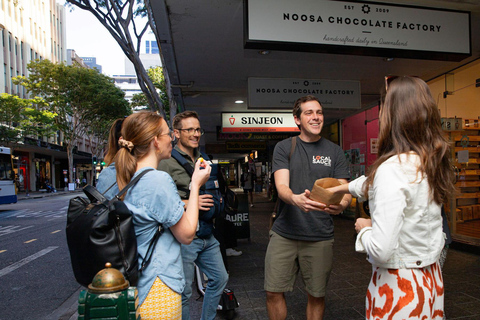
(204, 250)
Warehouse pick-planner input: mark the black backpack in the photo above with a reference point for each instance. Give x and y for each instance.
(100, 231)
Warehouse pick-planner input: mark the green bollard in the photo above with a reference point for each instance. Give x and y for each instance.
(108, 297)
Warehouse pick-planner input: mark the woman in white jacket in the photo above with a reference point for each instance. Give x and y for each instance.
(406, 187)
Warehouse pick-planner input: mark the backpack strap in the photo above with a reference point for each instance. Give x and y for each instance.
(292, 148)
(152, 244)
(160, 228)
(93, 194)
(183, 162)
(129, 185)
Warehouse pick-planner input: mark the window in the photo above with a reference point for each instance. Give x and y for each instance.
(147, 44)
(155, 47)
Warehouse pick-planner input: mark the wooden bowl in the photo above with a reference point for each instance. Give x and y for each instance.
(320, 194)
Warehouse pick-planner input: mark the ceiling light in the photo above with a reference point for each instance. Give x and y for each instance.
(239, 101)
(264, 52)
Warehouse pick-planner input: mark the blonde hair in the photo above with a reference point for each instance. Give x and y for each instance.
(138, 130)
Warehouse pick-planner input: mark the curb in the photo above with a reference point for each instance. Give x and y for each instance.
(44, 195)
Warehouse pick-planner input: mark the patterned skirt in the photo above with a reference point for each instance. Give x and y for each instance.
(397, 294)
(161, 303)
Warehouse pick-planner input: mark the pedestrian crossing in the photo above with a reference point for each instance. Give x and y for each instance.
(29, 213)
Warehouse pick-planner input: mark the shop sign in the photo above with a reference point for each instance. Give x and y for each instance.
(258, 122)
(251, 135)
(366, 28)
(245, 146)
(451, 124)
(274, 93)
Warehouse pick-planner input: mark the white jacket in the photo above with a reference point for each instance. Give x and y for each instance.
(406, 227)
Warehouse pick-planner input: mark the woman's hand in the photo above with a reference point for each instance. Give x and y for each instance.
(362, 223)
(201, 173)
(341, 189)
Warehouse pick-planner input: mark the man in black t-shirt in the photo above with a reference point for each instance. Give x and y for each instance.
(301, 239)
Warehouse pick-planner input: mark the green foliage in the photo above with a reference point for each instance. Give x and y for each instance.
(23, 117)
(84, 101)
(158, 79)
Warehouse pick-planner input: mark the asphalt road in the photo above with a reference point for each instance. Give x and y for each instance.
(36, 278)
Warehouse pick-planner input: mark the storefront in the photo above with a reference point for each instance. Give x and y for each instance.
(458, 97)
(21, 167)
(43, 173)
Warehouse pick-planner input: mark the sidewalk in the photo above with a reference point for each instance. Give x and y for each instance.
(345, 299)
(42, 194)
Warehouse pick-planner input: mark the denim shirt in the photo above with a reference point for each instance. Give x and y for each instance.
(154, 200)
(106, 179)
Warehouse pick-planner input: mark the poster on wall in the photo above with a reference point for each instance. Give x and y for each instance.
(374, 145)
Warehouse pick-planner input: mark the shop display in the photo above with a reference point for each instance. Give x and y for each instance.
(465, 220)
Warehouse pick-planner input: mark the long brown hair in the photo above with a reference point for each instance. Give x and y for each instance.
(113, 136)
(139, 129)
(410, 121)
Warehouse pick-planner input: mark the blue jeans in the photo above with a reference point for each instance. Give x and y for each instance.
(206, 255)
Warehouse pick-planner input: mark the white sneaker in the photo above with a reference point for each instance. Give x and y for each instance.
(233, 253)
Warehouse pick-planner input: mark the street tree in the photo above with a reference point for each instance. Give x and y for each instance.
(157, 77)
(127, 22)
(76, 95)
(106, 105)
(20, 118)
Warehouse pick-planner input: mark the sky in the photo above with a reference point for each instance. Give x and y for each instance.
(89, 38)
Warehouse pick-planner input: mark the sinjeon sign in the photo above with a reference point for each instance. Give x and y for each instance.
(361, 28)
(258, 122)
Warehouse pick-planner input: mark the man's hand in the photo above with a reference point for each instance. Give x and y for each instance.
(306, 204)
(205, 202)
(336, 209)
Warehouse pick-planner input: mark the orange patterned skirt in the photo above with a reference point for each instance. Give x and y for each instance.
(397, 294)
(161, 303)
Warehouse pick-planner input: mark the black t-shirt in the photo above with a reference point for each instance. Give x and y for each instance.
(310, 161)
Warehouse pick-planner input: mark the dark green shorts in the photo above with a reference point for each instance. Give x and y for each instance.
(286, 257)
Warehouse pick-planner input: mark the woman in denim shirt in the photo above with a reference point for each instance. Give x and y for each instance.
(107, 180)
(406, 188)
(146, 140)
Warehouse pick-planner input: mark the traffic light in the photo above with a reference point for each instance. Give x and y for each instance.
(94, 160)
(102, 163)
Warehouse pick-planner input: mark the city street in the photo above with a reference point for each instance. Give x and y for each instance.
(36, 278)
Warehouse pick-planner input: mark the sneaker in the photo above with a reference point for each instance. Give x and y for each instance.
(233, 253)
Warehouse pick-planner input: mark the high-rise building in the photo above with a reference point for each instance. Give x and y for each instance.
(91, 62)
(149, 54)
(30, 30)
